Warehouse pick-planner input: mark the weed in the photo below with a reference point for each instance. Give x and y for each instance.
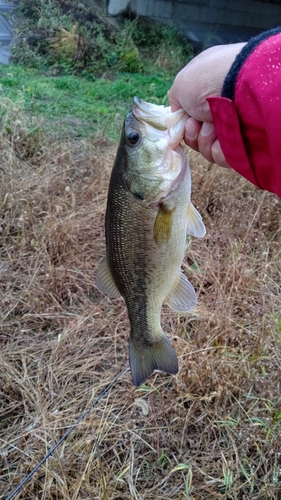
(69, 44)
(21, 132)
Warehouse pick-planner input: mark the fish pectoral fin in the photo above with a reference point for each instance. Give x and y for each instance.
(163, 225)
(158, 356)
(105, 281)
(182, 296)
(195, 225)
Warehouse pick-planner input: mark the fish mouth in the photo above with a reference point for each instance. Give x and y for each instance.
(149, 107)
(158, 116)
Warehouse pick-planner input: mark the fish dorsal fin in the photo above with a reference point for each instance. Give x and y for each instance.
(163, 225)
(195, 225)
(182, 297)
(105, 281)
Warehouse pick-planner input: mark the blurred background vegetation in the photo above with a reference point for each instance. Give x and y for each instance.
(67, 36)
(78, 73)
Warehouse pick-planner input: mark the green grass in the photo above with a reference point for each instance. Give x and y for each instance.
(77, 106)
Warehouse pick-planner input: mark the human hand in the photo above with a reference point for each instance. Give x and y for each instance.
(203, 77)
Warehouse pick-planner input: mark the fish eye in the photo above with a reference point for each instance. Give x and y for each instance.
(133, 137)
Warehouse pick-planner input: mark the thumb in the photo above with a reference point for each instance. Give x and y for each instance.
(174, 102)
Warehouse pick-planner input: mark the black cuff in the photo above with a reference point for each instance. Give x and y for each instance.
(228, 88)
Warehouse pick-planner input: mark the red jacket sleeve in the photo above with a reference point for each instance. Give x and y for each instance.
(247, 117)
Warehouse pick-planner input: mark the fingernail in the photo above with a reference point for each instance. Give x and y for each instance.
(207, 128)
(190, 132)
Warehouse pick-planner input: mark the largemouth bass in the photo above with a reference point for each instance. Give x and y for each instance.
(148, 215)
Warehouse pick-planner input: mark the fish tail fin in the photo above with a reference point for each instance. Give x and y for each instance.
(158, 356)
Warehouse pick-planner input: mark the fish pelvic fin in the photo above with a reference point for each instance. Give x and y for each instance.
(104, 280)
(195, 225)
(158, 356)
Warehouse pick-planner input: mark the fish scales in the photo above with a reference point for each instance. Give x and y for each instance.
(147, 219)
(143, 271)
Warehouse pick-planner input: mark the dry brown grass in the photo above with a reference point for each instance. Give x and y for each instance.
(211, 432)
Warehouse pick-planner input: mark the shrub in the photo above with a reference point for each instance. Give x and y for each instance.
(69, 36)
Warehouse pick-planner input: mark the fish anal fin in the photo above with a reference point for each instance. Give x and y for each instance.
(195, 225)
(163, 225)
(158, 356)
(104, 280)
(182, 296)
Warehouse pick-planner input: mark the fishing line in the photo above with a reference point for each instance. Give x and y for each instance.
(29, 476)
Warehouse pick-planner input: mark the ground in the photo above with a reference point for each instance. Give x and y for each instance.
(211, 432)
